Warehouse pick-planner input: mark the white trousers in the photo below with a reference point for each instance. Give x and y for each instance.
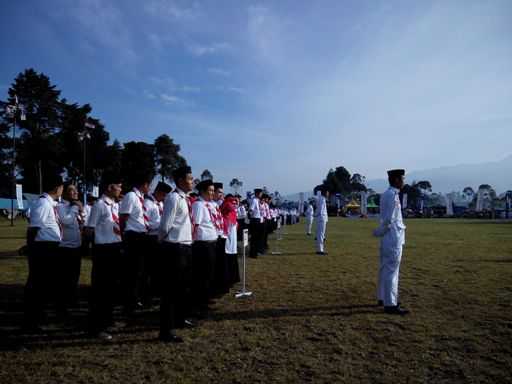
(389, 269)
(309, 225)
(321, 226)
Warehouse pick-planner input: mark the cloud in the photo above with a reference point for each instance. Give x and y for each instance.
(173, 9)
(171, 99)
(211, 49)
(219, 72)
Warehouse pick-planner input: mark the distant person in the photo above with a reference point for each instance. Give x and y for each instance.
(229, 212)
(309, 217)
(256, 224)
(221, 278)
(43, 238)
(392, 234)
(321, 218)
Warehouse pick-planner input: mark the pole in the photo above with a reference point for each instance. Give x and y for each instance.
(244, 292)
(85, 180)
(13, 170)
(278, 239)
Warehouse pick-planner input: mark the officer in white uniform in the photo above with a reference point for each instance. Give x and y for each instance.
(43, 238)
(321, 219)
(309, 218)
(103, 225)
(392, 234)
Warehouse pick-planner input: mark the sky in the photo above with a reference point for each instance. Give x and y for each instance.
(276, 93)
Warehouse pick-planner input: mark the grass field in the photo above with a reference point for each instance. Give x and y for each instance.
(311, 319)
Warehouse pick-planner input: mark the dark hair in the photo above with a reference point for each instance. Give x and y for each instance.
(163, 187)
(204, 185)
(51, 182)
(181, 173)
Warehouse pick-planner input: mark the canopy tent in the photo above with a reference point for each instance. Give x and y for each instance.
(352, 205)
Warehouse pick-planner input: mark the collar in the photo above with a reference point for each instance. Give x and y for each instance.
(150, 196)
(107, 200)
(396, 190)
(181, 192)
(137, 192)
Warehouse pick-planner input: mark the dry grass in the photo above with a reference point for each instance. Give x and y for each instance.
(311, 319)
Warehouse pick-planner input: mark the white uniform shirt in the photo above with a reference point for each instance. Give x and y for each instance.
(220, 229)
(104, 214)
(391, 220)
(309, 211)
(43, 216)
(321, 209)
(176, 225)
(241, 212)
(202, 217)
(254, 208)
(70, 219)
(132, 205)
(87, 212)
(154, 210)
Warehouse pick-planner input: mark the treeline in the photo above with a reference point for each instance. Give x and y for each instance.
(54, 135)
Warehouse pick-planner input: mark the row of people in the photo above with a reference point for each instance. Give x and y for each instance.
(181, 247)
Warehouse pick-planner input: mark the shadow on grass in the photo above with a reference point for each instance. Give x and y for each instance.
(335, 310)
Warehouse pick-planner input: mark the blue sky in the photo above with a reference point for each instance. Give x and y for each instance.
(278, 92)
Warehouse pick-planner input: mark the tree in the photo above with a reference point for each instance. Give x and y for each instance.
(338, 181)
(5, 159)
(113, 162)
(167, 156)
(357, 182)
(236, 185)
(206, 175)
(138, 160)
(39, 150)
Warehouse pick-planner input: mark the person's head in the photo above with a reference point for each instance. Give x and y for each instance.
(206, 189)
(161, 190)
(112, 187)
(142, 183)
(258, 192)
(183, 178)
(396, 178)
(70, 192)
(90, 199)
(53, 185)
(219, 191)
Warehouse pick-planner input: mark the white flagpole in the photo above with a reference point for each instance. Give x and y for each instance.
(278, 239)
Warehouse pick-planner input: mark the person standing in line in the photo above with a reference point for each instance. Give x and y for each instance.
(392, 233)
(175, 234)
(43, 238)
(241, 216)
(154, 204)
(72, 216)
(229, 212)
(255, 224)
(321, 218)
(204, 246)
(221, 280)
(103, 225)
(309, 218)
(134, 226)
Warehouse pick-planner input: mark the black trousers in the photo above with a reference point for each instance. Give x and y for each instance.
(42, 282)
(152, 262)
(104, 280)
(256, 231)
(70, 262)
(175, 269)
(266, 230)
(134, 270)
(204, 271)
(221, 283)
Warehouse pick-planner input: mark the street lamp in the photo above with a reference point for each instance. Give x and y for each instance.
(12, 110)
(83, 136)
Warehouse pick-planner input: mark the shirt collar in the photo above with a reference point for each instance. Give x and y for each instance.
(137, 192)
(396, 190)
(107, 200)
(181, 192)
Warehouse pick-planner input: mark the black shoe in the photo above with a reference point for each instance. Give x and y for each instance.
(253, 257)
(322, 253)
(170, 338)
(189, 324)
(395, 310)
(380, 303)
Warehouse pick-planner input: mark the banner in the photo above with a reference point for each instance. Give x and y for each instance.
(19, 195)
(96, 191)
(246, 237)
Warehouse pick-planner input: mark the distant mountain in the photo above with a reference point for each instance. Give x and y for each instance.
(497, 174)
